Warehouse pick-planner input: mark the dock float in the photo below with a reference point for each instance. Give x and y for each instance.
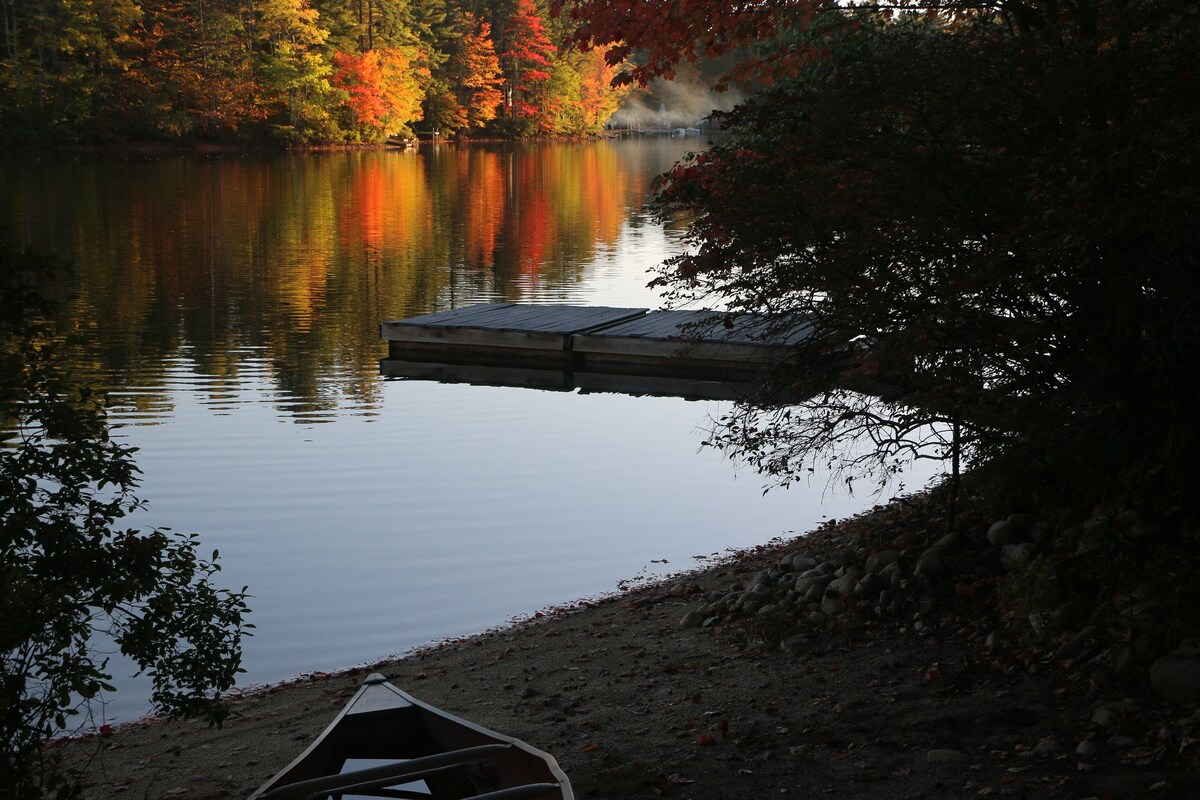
(701, 354)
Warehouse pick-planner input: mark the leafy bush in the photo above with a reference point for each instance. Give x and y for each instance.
(70, 578)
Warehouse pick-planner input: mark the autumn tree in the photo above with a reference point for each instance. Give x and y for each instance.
(470, 95)
(293, 71)
(526, 58)
(191, 70)
(991, 209)
(384, 89)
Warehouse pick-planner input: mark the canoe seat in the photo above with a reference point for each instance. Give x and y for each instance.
(364, 780)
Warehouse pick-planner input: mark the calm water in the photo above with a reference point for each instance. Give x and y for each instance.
(230, 307)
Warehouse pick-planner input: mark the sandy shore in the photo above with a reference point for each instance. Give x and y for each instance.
(634, 705)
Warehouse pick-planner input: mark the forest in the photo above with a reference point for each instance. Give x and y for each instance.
(294, 72)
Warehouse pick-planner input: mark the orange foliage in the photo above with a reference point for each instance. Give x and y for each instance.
(483, 207)
(384, 87)
(478, 74)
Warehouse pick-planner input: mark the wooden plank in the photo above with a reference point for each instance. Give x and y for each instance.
(503, 325)
(613, 349)
(475, 337)
(710, 326)
(456, 315)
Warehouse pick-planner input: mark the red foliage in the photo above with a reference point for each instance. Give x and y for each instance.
(667, 32)
(359, 76)
(527, 56)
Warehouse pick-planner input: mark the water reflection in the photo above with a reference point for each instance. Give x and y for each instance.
(223, 271)
(229, 304)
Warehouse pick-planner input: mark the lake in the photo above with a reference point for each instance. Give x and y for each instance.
(229, 305)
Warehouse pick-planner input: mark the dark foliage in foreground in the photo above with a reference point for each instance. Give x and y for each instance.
(74, 586)
(992, 210)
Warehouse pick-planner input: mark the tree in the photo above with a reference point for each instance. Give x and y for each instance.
(60, 64)
(991, 209)
(526, 59)
(473, 69)
(70, 579)
(384, 89)
(192, 70)
(293, 71)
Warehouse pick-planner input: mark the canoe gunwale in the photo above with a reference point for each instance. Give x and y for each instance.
(377, 701)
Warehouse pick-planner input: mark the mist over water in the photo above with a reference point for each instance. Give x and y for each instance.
(673, 104)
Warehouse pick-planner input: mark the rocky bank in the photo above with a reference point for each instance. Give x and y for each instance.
(878, 657)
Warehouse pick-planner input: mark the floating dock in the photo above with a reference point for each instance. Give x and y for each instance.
(701, 354)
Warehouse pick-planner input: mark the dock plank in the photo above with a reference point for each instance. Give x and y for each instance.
(493, 327)
(693, 336)
(597, 339)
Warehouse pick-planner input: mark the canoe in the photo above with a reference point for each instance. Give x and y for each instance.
(387, 743)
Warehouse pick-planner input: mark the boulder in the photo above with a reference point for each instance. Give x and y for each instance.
(879, 560)
(1004, 532)
(1176, 677)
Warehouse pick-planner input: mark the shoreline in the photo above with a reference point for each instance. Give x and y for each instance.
(633, 700)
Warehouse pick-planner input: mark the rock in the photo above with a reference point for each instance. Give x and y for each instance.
(797, 644)
(1004, 532)
(1124, 661)
(844, 585)
(758, 593)
(865, 585)
(1106, 717)
(930, 565)
(947, 758)
(1048, 747)
(803, 561)
(883, 558)
(1176, 678)
(1149, 648)
(817, 618)
(1087, 750)
(950, 542)
(850, 569)
(1078, 643)
(692, 619)
(1017, 556)
(831, 604)
(806, 582)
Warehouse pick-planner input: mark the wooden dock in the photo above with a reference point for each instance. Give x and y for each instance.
(688, 353)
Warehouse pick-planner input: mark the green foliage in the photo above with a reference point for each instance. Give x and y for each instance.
(70, 578)
(994, 224)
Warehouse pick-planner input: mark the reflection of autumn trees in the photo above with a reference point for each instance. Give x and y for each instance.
(274, 271)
